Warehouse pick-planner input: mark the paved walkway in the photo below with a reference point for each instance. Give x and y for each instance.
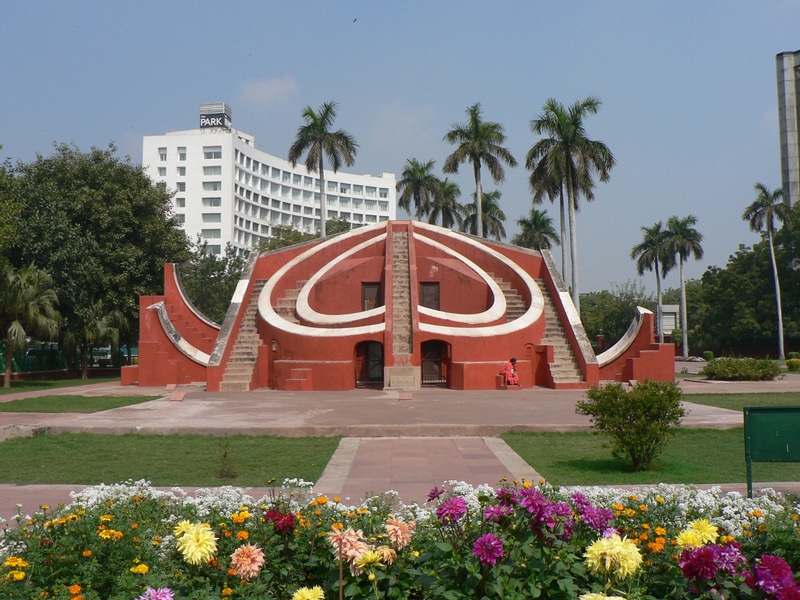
(392, 441)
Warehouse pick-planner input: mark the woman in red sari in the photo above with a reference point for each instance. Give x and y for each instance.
(509, 372)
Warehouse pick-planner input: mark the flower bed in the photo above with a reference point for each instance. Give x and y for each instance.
(520, 541)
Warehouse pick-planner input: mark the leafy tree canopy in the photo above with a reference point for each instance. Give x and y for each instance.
(611, 312)
(210, 280)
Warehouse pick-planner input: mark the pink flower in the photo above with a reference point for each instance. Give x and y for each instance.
(699, 563)
(347, 545)
(488, 548)
(452, 509)
(399, 532)
(247, 561)
(157, 594)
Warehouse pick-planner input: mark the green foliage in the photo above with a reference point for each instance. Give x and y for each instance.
(793, 364)
(99, 226)
(209, 280)
(283, 236)
(69, 403)
(536, 231)
(612, 311)
(741, 369)
(708, 355)
(793, 355)
(638, 420)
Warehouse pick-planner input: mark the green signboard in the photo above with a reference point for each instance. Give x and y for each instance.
(771, 434)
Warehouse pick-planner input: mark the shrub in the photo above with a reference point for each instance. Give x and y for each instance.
(741, 369)
(708, 355)
(793, 355)
(793, 364)
(638, 421)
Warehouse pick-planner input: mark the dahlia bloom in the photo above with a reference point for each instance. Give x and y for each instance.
(706, 531)
(495, 513)
(488, 548)
(157, 594)
(313, 593)
(283, 522)
(596, 596)
(435, 493)
(774, 576)
(247, 561)
(698, 563)
(452, 509)
(613, 556)
(399, 532)
(198, 543)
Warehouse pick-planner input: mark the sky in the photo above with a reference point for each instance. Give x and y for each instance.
(688, 92)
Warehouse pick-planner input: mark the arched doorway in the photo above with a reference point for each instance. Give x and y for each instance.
(369, 364)
(435, 363)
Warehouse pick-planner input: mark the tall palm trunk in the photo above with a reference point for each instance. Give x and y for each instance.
(781, 354)
(323, 205)
(659, 307)
(573, 246)
(563, 234)
(478, 199)
(9, 361)
(684, 333)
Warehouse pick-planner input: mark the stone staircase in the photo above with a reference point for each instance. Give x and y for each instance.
(401, 311)
(564, 368)
(515, 305)
(242, 361)
(287, 304)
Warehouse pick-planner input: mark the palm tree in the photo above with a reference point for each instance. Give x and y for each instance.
(316, 137)
(767, 208)
(27, 306)
(479, 142)
(446, 206)
(537, 231)
(570, 160)
(684, 240)
(653, 254)
(419, 185)
(493, 217)
(98, 325)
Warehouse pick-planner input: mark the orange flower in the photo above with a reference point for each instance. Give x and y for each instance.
(86, 553)
(75, 589)
(242, 535)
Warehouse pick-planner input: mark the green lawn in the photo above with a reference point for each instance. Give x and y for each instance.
(739, 401)
(165, 460)
(50, 384)
(71, 404)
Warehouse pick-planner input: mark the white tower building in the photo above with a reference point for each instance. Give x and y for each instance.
(228, 191)
(788, 72)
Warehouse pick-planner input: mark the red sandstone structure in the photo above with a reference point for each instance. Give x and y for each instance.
(397, 305)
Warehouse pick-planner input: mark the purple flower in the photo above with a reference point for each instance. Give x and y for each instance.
(533, 500)
(488, 548)
(699, 563)
(496, 513)
(507, 496)
(774, 576)
(730, 559)
(580, 501)
(157, 594)
(435, 492)
(452, 509)
(597, 518)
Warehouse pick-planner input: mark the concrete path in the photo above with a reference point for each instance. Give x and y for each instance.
(392, 441)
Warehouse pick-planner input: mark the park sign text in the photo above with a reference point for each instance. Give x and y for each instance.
(215, 120)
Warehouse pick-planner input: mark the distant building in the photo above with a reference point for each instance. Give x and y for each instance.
(228, 191)
(788, 71)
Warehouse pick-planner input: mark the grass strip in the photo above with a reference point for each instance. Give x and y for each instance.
(692, 456)
(164, 460)
(35, 385)
(71, 404)
(739, 401)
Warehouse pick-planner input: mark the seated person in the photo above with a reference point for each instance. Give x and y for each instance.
(509, 372)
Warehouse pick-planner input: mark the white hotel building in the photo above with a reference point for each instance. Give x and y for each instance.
(228, 191)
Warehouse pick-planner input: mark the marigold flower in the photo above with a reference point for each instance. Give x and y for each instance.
(400, 532)
(86, 553)
(660, 531)
(242, 535)
(313, 593)
(197, 544)
(74, 589)
(16, 562)
(247, 561)
(15, 575)
(226, 591)
(141, 569)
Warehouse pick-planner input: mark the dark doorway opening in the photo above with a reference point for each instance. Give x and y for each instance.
(369, 364)
(429, 294)
(435, 363)
(370, 296)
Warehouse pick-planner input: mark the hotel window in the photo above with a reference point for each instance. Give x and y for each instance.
(370, 191)
(162, 154)
(180, 202)
(255, 166)
(181, 171)
(276, 173)
(182, 154)
(212, 186)
(210, 152)
(357, 189)
(383, 206)
(214, 249)
(384, 193)
(344, 188)
(371, 204)
(211, 234)
(181, 218)
(297, 179)
(216, 170)
(212, 218)
(162, 171)
(181, 186)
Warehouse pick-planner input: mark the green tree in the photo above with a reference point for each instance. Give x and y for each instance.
(283, 236)
(610, 312)
(480, 143)
(316, 137)
(98, 324)
(446, 206)
(210, 280)
(418, 186)
(762, 214)
(337, 225)
(100, 227)
(652, 254)
(491, 217)
(536, 231)
(9, 209)
(570, 159)
(27, 307)
(684, 241)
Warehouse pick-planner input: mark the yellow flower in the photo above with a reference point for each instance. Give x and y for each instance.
(16, 561)
(242, 535)
(15, 575)
(594, 596)
(314, 593)
(141, 569)
(226, 591)
(706, 531)
(527, 484)
(689, 538)
(197, 544)
(322, 500)
(181, 528)
(106, 518)
(613, 556)
(661, 531)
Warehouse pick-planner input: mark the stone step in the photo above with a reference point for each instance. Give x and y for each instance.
(234, 386)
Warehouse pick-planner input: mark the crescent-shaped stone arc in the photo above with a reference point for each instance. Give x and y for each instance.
(626, 340)
(267, 313)
(188, 350)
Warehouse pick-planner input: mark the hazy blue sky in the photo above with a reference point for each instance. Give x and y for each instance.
(688, 90)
